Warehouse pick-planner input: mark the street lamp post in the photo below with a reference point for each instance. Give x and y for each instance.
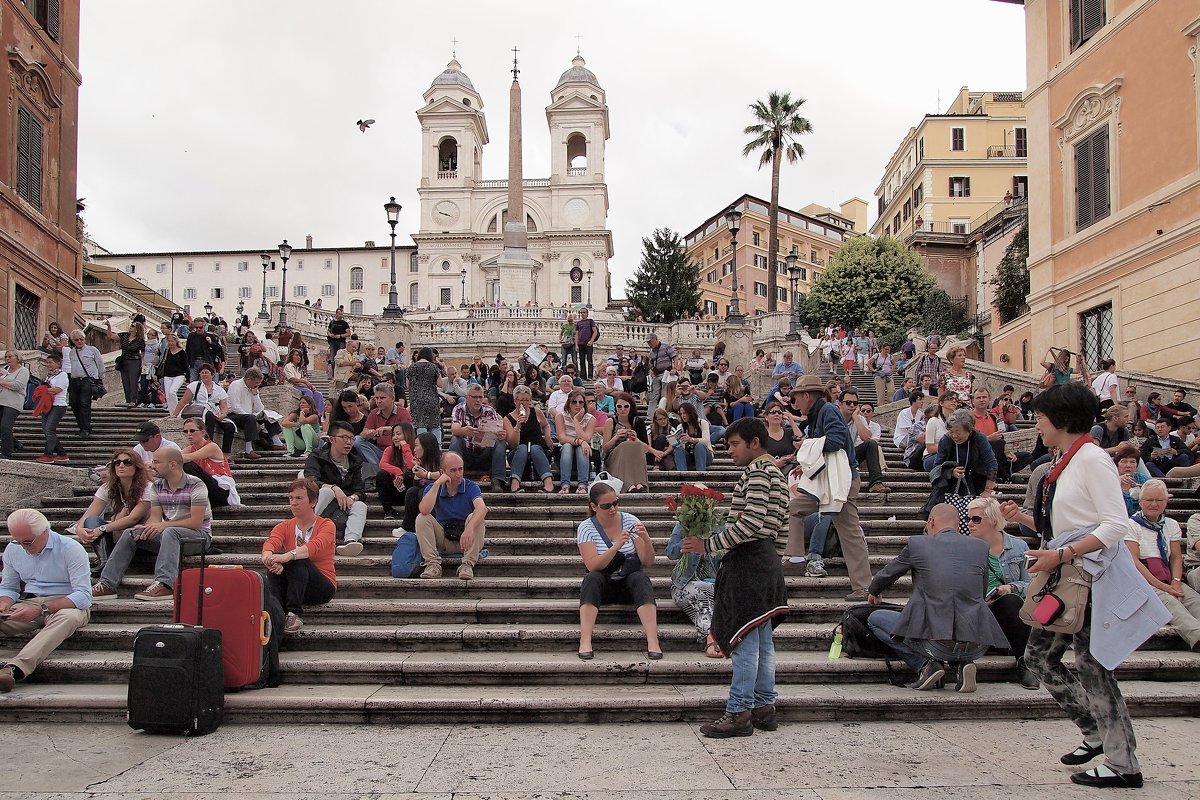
(208, 310)
(241, 307)
(794, 276)
(285, 252)
(733, 219)
(463, 302)
(589, 277)
(266, 262)
(393, 215)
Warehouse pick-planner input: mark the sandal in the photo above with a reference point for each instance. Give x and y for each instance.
(712, 649)
(581, 490)
(565, 489)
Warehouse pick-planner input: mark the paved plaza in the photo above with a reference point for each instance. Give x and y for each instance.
(821, 761)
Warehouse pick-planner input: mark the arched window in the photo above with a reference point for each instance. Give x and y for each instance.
(413, 294)
(356, 279)
(447, 155)
(576, 151)
(530, 225)
(356, 306)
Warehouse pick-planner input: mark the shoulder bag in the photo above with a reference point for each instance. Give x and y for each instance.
(1057, 600)
(621, 566)
(97, 383)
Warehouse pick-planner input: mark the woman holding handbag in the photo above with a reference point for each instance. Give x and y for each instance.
(1081, 491)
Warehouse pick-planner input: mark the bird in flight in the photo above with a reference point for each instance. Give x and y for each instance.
(363, 124)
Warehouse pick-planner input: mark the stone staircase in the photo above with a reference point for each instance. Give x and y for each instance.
(502, 647)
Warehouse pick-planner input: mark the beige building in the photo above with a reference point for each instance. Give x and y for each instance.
(1114, 166)
(815, 231)
(951, 173)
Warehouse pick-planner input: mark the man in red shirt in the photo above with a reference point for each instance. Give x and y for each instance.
(377, 430)
(985, 423)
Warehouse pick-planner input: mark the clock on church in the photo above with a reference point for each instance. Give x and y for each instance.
(445, 211)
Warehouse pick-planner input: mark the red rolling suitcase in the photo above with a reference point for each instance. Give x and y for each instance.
(236, 604)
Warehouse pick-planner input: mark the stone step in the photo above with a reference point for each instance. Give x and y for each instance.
(585, 701)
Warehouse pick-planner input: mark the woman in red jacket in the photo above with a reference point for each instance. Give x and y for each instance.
(299, 556)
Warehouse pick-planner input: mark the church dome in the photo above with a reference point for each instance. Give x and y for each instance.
(578, 73)
(454, 76)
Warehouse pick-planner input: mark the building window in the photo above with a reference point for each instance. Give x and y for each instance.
(710, 308)
(384, 287)
(1096, 335)
(244, 292)
(1087, 17)
(356, 279)
(918, 196)
(921, 148)
(299, 290)
(781, 294)
(1020, 186)
(960, 187)
(216, 266)
(165, 293)
(413, 293)
(189, 293)
(881, 204)
(958, 139)
(190, 267)
(272, 292)
(907, 209)
(803, 273)
(960, 225)
(329, 263)
(781, 267)
(1021, 142)
(412, 263)
(576, 294)
(243, 266)
(130, 269)
(29, 157)
(760, 261)
(356, 306)
(1091, 179)
(712, 276)
(160, 268)
(760, 289)
(754, 238)
(896, 223)
(327, 290)
(444, 296)
(726, 268)
(25, 317)
(216, 293)
(299, 263)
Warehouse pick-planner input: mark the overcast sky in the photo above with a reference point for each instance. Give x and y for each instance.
(229, 124)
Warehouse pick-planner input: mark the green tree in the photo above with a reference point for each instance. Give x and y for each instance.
(877, 284)
(778, 126)
(1011, 281)
(666, 285)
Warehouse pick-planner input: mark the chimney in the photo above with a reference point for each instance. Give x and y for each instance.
(369, 243)
(308, 242)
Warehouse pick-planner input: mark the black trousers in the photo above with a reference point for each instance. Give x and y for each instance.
(228, 430)
(1006, 609)
(79, 398)
(131, 370)
(389, 495)
(412, 503)
(300, 584)
(869, 451)
(218, 496)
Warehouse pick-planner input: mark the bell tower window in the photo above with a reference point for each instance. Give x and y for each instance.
(576, 154)
(448, 155)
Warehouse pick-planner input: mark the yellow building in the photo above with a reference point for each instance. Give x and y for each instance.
(815, 231)
(1114, 169)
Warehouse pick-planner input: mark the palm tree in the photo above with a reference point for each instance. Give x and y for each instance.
(779, 125)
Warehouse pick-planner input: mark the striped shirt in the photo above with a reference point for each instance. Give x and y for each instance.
(759, 509)
(176, 504)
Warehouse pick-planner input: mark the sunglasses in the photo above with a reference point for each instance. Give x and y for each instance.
(121, 462)
(975, 520)
(608, 506)
(577, 402)
(850, 402)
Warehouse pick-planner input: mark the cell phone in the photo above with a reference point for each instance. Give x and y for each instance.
(1030, 561)
(992, 595)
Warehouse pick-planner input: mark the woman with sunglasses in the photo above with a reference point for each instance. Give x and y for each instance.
(626, 442)
(614, 546)
(695, 449)
(1007, 579)
(527, 432)
(575, 427)
(122, 501)
(203, 459)
(781, 438)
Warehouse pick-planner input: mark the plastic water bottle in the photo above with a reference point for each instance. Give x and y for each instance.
(835, 649)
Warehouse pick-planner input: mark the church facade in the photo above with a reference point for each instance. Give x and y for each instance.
(463, 216)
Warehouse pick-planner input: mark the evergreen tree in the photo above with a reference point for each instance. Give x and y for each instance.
(1011, 280)
(876, 284)
(666, 285)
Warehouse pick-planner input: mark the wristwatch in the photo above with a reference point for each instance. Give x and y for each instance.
(103, 529)
(45, 610)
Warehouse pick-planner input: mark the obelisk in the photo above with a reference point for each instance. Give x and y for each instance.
(514, 267)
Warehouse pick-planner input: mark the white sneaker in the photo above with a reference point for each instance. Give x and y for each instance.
(398, 532)
(350, 549)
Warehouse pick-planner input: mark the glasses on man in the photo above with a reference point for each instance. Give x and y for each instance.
(29, 542)
(609, 506)
(121, 462)
(344, 438)
(849, 402)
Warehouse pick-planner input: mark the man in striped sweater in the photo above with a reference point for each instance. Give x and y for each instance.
(750, 597)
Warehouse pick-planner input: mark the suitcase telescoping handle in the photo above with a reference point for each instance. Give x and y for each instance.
(183, 547)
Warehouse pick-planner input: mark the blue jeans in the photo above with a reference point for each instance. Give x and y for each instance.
(541, 463)
(753, 684)
(50, 430)
(491, 458)
(700, 459)
(368, 450)
(739, 410)
(715, 432)
(436, 431)
(915, 652)
(568, 455)
(166, 544)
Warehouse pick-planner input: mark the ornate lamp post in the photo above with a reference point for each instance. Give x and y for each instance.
(266, 262)
(463, 302)
(589, 277)
(208, 309)
(794, 276)
(241, 307)
(285, 252)
(393, 215)
(733, 220)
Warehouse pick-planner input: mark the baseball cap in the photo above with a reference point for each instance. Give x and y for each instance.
(147, 431)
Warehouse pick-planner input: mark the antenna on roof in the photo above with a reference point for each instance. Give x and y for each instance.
(454, 49)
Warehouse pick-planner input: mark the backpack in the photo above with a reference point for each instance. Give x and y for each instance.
(406, 558)
(30, 386)
(857, 639)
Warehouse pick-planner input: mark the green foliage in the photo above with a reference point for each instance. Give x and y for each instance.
(945, 314)
(1011, 281)
(876, 284)
(666, 285)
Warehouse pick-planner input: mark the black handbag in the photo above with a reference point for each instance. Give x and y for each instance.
(621, 566)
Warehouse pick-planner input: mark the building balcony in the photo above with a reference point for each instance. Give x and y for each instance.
(447, 175)
(577, 171)
(1007, 151)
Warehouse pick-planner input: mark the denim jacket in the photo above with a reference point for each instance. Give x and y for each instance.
(1012, 564)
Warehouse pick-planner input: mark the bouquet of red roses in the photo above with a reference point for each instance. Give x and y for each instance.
(696, 512)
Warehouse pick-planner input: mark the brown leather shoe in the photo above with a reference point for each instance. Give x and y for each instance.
(730, 725)
(466, 572)
(763, 718)
(7, 680)
(433, 569)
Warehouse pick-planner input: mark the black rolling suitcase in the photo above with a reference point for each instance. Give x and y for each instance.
(177, 683)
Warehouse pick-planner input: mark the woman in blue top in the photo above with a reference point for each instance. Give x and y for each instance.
(614, 546)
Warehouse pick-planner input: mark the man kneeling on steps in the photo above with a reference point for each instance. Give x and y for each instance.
(946, 620)
(451, 520)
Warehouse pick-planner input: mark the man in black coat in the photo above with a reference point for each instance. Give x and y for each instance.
(339, 471)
